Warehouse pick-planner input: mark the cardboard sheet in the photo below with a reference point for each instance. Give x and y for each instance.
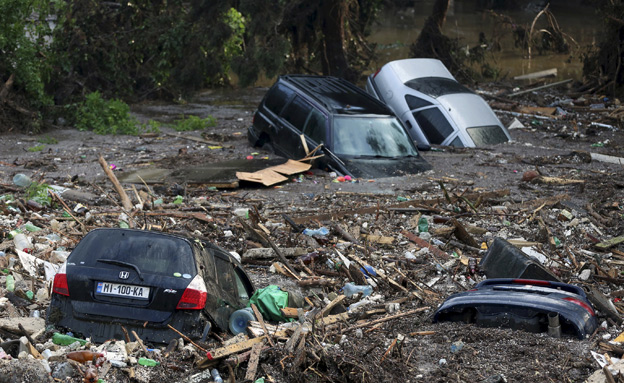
(274, 174)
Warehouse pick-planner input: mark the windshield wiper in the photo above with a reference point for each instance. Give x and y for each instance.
(376, 156)
(122, 263)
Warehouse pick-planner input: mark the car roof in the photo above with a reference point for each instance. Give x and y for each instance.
(409, 69)
(338, 95)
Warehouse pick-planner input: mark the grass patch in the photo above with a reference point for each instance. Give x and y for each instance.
(37, 148)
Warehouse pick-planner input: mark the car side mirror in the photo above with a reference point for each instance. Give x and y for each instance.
(422, 147)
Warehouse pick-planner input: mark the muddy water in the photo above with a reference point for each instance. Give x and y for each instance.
(398, 28)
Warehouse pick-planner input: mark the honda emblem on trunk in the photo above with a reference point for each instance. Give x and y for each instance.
(124, 275)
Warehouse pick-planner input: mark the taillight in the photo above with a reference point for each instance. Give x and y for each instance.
(60, 281)
(376, 73)
(194, 297)
(534, 282)
(582, 304)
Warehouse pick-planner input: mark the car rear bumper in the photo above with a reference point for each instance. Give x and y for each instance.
(100, 328)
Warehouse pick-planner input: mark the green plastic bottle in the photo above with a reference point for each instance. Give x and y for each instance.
(66, 340)
(148, 362)
(10, 283)
(423, 225)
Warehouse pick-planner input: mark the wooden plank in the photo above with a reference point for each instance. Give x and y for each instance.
(234, 348)
(289, 312)
(254, 358)
(331, 305)
(535, 75)
(378, 239)
(292, 341)
(610, 243)
(331, 319)
(261, 320)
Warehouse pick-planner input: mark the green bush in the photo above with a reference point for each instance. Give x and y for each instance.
(188, 123)
(105, 116)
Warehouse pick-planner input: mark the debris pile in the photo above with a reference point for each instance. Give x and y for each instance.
(368, 264)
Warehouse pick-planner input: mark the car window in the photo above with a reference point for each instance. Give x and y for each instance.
(487, 135)
(151, 253)
(243, 284)
(457, 142)
(225, 275)
(414, 102)
(315, 126)
(434, 125)
(277, 97)
(437, 86)
(296, 112)
(371, 136)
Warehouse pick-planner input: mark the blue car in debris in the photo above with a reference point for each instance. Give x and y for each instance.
(522, 304)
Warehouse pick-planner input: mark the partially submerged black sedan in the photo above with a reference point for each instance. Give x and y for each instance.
(358, 134)
(522, 304)
(146, 281)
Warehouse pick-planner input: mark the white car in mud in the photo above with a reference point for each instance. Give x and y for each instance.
(433, 106)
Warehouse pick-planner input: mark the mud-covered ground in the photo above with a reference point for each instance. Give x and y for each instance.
(557, 147)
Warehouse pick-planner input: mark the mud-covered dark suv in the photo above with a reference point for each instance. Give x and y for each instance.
(359, 134)
(146, 281)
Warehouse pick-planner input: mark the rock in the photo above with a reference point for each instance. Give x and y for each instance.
(31, 324)
(585, 274)
(64, 370)
(23, 370)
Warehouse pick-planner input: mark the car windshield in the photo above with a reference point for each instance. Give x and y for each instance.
(366, 136)
(437, 86)
(487, 135)
(149, 252)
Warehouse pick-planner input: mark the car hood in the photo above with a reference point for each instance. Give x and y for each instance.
(385, 167)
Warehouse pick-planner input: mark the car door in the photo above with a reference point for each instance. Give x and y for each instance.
(315, 130)
(235, 289)
(294, 117)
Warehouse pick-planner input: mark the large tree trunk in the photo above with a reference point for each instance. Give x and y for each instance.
(333, 55)
(427, 44)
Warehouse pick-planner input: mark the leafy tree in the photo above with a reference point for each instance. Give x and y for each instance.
(24, 33)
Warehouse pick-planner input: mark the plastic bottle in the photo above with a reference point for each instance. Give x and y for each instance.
(239, 318)
(353, 307)
(322, 231)
(22, 242)
(242, 212)
(84, 356)
(423, 225)
(216, 376)
(350, 289)
(148, 362)
(10, 283)
(22, 180)
(66, 340)
(30, 227)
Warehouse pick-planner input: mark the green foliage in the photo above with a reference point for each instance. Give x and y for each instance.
(39, 193)
(23, 51)
(105, 116)
(188, 123)
(37, 148)
(152, 126)
(47, 140)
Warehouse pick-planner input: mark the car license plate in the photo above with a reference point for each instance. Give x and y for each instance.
(119, 290)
